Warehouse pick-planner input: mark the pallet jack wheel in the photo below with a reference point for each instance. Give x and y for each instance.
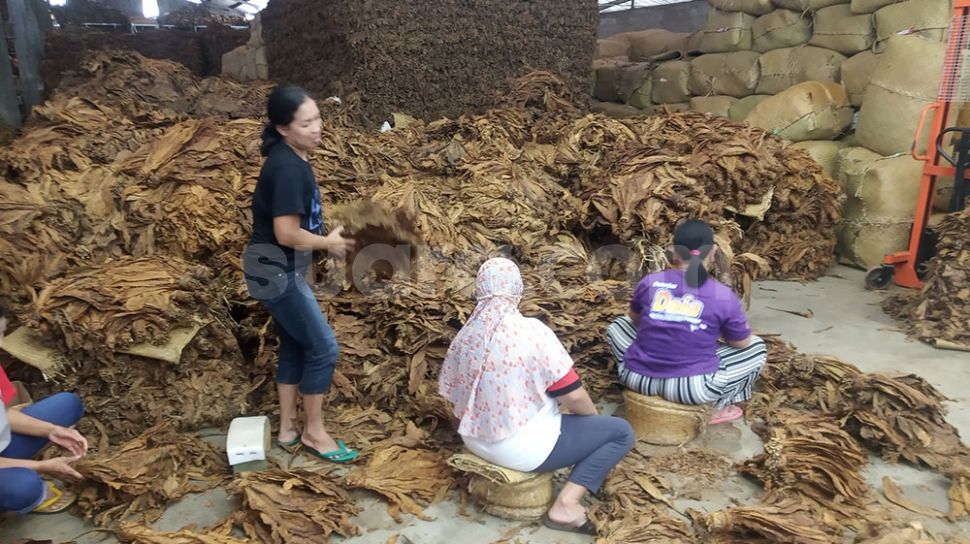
(878, 277)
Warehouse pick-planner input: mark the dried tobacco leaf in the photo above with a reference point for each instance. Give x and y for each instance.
(939, 313)
(647, 525)
(136, 533)
(810, 459)
(293, 507)
(146, 474)
(427, 478)
(785, 522)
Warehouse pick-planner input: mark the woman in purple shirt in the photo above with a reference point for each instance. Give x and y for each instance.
(687, 338)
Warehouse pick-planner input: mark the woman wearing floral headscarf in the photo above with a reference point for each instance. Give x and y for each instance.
(506, 376)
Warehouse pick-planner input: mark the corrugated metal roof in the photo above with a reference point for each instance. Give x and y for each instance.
(620, 5)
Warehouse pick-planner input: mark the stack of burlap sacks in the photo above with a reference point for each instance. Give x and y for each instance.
(803, 69)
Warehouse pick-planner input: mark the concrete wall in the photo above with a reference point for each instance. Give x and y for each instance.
(682, 17)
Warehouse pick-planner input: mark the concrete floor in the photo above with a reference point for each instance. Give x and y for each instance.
(847, 323)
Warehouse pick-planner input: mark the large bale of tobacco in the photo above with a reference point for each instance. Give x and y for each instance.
(905, 81)
(813, 110)
(429, 58)
(782, 68)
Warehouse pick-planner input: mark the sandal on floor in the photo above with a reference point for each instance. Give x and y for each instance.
(342, 455)
(57, 500)
(585, 529)
(727, 414)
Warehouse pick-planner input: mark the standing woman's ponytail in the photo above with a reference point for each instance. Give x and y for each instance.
(270, 137)
(281, 107)
(693, 242)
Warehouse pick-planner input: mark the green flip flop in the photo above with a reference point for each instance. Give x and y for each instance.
(342, 455)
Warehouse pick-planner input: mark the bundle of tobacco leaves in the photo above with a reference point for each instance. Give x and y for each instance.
(809, 458)
(902, 416)
(939, 313)
(407, 477)
(143, 476)
(783, 522)
(293, 506)
(122, 303)
(204, 388)
(137, 533)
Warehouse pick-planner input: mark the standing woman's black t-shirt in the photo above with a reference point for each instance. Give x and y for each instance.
(286, 186)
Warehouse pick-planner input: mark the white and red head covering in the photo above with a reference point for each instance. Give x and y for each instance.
(500, 364)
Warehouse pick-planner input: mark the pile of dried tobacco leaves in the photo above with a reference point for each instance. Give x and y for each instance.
(940, 312)
(124, 210)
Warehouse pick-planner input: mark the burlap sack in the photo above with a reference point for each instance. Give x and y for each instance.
(607, 80)
(740, 109)
(694, 42)
(812, 110)
(807, 5)
(928, 19)
(856, 72)
(880, 189)
(731, 74)
(612, 48)
(905, 80)
(754, 7)
(880, 204)
(825, 153)
(671, 82)
(870, 6)
(714, 105)
(612, 109)
(633, 84)
(726, 31)
(671, 108)
(778, 29)
(849, 140)
(836, 28)
(656, 44)
(864, 245)
(783, 68)
(943, 194)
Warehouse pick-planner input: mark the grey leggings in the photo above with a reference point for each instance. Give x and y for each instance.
(595, 444)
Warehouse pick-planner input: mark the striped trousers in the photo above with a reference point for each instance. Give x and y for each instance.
(731, 383)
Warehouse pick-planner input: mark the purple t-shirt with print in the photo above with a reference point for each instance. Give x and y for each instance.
(680, 325)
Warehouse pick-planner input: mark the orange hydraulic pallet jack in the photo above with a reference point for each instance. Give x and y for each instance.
(908, 267)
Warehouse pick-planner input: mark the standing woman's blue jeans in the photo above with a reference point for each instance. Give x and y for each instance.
(308, 346)
(21, 489)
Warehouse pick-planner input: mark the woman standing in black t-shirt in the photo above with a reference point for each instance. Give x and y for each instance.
(287, 229)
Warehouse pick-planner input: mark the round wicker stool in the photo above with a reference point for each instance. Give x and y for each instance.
(503, 492)
(524, 501)
(657, 421)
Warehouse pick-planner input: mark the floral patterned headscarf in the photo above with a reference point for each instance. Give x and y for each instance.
(500, 364)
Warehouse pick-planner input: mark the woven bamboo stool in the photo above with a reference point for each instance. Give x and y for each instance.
(505, 493)
(664, 423)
